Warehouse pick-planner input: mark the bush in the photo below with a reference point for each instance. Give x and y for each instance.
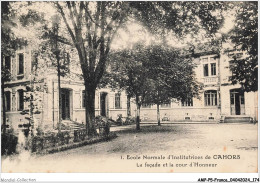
(80, 135)
(101, 121)
(9, 143)
(130, 120)
(42, 142)
(104, 130)
(125, 120)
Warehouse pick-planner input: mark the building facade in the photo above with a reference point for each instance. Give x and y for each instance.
(219, 97)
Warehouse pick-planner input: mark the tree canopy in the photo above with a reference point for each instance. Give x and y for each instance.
(245, 38)
(91, 27)
(153, 75)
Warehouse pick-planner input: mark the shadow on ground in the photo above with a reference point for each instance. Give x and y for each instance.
(154, 129)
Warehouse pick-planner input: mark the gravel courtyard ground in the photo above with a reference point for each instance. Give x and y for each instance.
(220, 147)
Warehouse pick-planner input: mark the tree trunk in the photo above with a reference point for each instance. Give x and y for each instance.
(90, 110)
(158, 114)
(3, 93)
(137, 114)
(128, 106)
(57, 54)
(59, 98)
(31, 114)
(3, 104)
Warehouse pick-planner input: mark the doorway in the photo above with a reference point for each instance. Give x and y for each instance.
(237, 102)
(65, 104)
(103, 104)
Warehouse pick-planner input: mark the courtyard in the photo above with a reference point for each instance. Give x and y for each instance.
(167, 148)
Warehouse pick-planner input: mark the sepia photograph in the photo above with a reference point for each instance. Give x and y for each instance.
(129, 87)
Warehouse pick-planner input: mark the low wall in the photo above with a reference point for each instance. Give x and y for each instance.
(65, 140)
(182, 114)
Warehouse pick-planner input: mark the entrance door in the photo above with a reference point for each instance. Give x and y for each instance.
(65, 104)
(103, 104)
(237, 102)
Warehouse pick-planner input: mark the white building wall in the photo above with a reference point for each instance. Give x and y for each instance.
(198, 112)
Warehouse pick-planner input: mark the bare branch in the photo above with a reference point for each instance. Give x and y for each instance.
(96, 26)
(72, 17)
(89, 15)
(64, 41)
(102, 60)
(66, 22)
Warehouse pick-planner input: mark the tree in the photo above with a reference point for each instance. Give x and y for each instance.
(153, 75)
(9, 43)
(172, 76)
(54, 50)
(92, 27)
(128, 73)
(245, 37)
(33, 97)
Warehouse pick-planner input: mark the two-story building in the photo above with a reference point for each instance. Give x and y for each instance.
(219, 97)
(107, 102)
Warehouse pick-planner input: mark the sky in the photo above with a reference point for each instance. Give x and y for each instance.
(136, 33)
(124, 38)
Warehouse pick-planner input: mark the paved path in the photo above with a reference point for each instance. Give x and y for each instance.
(170, 140)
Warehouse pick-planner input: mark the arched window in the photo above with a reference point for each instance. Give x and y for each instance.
(210, 98)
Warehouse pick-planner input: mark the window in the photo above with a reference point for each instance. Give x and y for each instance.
(21, 64)
(146, 106)
(66, 62)
(166, 104)
(213, 69)
(34, 62)
(7, 101)
(187, 102)
(8, 63)
(239, 55)
(232, 98)
(118, 101)
(242, 99)
(210, 98)
(210, 66)
(83, 98)
(20, 100)
(206, 69)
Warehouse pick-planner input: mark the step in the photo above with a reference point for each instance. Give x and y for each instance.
(73, 125)
(237, 119)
